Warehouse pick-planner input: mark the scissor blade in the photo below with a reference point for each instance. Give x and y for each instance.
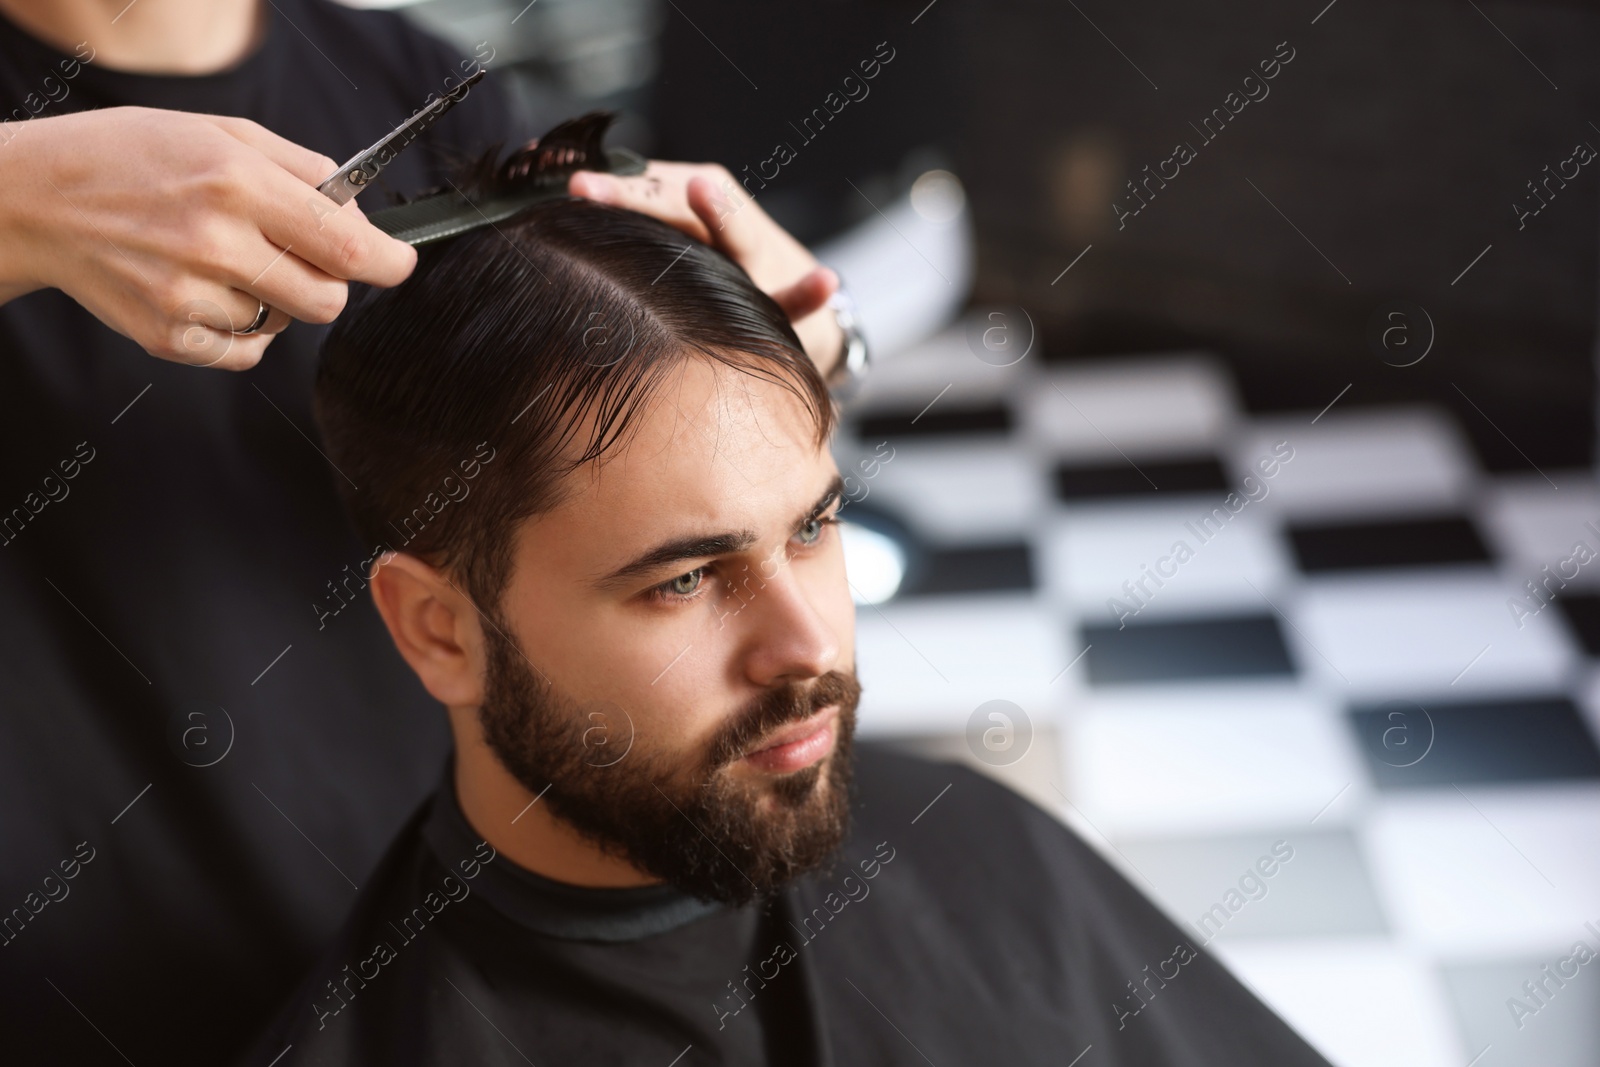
(357, 173)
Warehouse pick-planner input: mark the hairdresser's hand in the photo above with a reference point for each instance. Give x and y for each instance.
(169, 227)
(704, 201)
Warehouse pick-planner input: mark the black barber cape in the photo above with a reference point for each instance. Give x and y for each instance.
(202, 718)
(960, 925)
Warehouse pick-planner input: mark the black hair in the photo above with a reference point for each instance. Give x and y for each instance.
(451, 400)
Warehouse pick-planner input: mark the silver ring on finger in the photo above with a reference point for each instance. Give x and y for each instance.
(260, 319)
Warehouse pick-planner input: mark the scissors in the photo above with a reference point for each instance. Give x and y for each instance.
(358, 171)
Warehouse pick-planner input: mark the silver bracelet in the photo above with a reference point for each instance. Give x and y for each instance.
(845, 380)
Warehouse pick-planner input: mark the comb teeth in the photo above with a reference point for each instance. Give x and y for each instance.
(420, 215)
(574, 145)
(447, 214)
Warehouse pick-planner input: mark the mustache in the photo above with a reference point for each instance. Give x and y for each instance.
(778, 708)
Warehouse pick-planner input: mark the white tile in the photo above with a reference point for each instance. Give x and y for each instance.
(1563, 1031)
(1362, 462)
(926, 664)
(1488, 871)
(1209, 759)
(1398, 636)
(1087, 553)
(1534, 526)
(1360, 1002)
(920, 374)
(1148, 406)
(957, 490)
(1292, 880)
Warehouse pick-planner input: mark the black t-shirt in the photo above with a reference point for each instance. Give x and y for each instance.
(173, 565)
(960, 924)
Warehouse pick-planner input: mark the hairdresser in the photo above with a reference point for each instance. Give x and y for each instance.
(205, 737)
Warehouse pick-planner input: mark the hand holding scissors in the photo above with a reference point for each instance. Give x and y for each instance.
(360, 169)
(175, 229)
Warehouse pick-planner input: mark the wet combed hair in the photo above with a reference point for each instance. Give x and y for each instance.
(503, 339)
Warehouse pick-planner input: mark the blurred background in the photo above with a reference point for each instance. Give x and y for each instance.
(1224, 478)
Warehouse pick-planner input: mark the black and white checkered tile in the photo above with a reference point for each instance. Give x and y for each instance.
(1326, 664)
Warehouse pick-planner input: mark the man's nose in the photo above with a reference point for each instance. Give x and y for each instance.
(789, 639)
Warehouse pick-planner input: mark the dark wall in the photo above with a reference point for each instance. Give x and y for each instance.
(789, 57)
(1395, 141)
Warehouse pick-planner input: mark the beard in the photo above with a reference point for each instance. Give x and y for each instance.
(680, 816)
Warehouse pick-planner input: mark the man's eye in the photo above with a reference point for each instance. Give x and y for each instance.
(686, 584)
(812, 531)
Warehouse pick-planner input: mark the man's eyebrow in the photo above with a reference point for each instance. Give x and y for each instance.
(691, 547)
(699, 546)
(825, 501)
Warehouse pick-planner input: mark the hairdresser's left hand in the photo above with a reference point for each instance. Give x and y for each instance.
(704, 201)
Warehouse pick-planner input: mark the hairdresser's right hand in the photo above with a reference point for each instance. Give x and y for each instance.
(169, 227)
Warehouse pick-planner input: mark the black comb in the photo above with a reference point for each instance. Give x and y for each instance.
(529, 177)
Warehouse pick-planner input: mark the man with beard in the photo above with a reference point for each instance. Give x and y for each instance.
(592, 463)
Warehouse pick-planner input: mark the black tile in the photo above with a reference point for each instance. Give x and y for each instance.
(940, 419)
(1349, 546)
(1583, 615)
(988, 568)
(1076, 482)
(1232, 646)
(1409, 745)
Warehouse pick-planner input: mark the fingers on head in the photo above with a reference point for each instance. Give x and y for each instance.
(592, 185)
(824, 281)
(809, 294)
(659, 192)
(718, 202)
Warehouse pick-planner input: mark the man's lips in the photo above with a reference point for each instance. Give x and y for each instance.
(799, 745)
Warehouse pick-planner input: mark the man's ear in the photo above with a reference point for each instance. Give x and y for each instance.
(435, 627)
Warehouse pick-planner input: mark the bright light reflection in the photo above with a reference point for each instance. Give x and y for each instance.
(874, 563)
